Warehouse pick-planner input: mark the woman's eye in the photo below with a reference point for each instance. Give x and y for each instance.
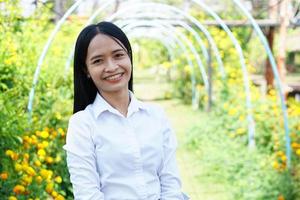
(119, 55)
(97, 61)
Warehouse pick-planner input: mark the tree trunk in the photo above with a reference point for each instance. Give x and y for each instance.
(281, 58)
(273, 14)
(269, 76)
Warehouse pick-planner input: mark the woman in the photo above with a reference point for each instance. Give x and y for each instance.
(117, 146)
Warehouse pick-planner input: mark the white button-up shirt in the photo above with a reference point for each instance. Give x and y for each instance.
(113, 157)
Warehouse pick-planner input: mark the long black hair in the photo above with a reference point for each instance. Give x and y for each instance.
(85, 90)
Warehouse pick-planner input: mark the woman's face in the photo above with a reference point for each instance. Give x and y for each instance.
(108, 64)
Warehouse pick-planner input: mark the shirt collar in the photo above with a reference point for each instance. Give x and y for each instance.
(100, 105)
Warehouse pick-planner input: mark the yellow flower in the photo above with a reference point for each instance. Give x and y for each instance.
(276, 165)
(241, 118)
(19, 189)
(4, 176)
(18, 167)
(34, 141)
(38, 133)
(283, 158)
(9, 152)
(295, 145)
(59, 197)
(232, 112)
(44, 134)
(15, 156)
(26, 138)
(54, 134)
(49, 159)
(12, 198)
(40, 146)
(272, 92)
(49, 188)
(39, 179)
(30, 171)
(45, 144)
(58, 179)
(63, 134)
(61, 131)
(54, 194)
(27, 179)
(26, 156)
(37, 163)
(41, 152)
(46, 174)
(298, 152)
(280, 153)
(57, 159)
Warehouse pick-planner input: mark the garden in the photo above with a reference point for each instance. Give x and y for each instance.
(215, 157)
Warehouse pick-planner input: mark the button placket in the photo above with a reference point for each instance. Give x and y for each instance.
(138, 161)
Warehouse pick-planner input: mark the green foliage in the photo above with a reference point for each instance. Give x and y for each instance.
(20, 142)
(246, 174)
(149, 53)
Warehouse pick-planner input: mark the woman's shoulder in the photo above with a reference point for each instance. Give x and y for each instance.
(82, 116)
(154, 109)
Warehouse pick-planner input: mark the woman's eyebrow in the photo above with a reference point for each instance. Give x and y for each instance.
(117, 50)
(96, 56)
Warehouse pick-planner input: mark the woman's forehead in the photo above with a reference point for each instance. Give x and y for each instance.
(102, 45)
(105, 42)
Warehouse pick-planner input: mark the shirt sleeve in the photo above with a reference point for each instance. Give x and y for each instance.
(81, 161)
(169, 175)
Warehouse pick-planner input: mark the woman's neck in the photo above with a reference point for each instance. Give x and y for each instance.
(118, 100)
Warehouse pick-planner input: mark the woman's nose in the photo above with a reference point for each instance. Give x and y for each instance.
(111, 65)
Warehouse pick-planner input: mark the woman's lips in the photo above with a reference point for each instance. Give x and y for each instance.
(114, 78)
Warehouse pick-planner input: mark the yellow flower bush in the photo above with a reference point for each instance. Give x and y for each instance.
(33, 166)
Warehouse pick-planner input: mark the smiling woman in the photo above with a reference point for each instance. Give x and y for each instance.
(109, 66)
(117, 146)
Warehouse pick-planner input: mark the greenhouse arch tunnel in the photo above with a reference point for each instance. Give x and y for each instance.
(185, 51)
(251, 128)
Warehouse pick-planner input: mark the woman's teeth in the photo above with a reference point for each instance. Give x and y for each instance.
(114, 77)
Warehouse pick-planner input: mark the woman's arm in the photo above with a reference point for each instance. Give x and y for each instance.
(81, 160)
(169, 175)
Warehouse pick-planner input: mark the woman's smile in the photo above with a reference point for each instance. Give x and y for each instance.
(114, 78)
